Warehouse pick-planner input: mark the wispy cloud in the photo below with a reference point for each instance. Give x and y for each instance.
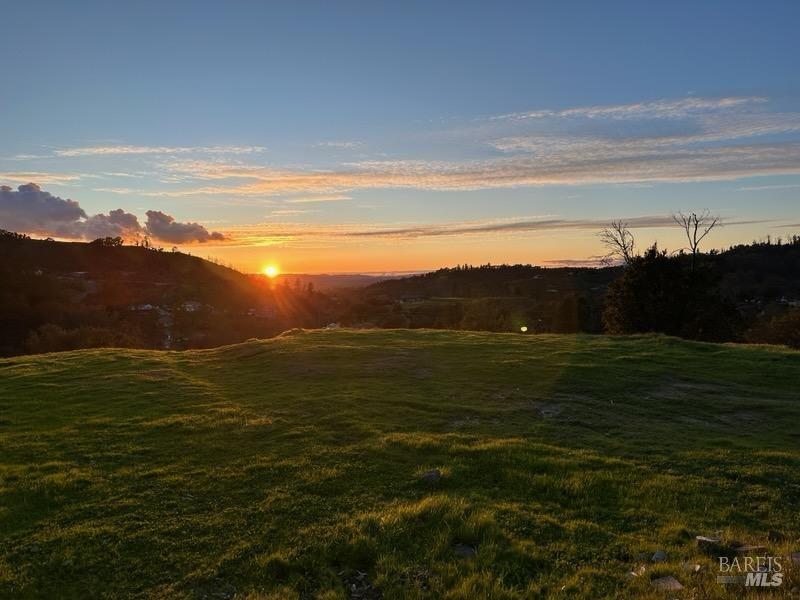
(291, 233)
(115, 190)
(25, 157)
(690, 139)
(761, 188)
(288, 212)
(125, 149)
(510, 225)
(670, 140)
(578, 262)
(39, 177)
(342, 145)
(661, 109)
(565, 168)
(323, 198)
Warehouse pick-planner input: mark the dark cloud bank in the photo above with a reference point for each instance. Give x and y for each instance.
(29, 209)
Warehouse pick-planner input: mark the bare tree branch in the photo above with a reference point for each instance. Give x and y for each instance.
(696, 227)
(619, 242)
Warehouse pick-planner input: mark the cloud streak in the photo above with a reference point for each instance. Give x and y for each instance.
(669, 140)
(127, 149)
(523, 225)
(312, 199)
(573, 167)
(761, 188)
(272, 233)
(24, 177)
(690, 139)
(343, 145)
(659, 109)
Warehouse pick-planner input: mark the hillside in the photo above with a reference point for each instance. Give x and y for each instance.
(291, 467)
(759, 281)
(333, 282)
(65, 295)
(760, 272)
(148, 275)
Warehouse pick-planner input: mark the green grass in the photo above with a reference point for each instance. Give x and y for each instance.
(290, 467)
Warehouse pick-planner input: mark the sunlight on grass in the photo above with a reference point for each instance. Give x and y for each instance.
(563, 460)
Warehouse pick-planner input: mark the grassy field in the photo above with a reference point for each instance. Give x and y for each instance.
(292, 467)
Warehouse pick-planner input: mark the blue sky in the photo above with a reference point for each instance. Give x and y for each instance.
(391, 136)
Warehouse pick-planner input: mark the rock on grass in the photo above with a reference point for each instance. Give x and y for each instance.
(432, 476)
(666, 584)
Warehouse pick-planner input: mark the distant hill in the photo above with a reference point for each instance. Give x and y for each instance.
(754, 272)
(296, 467)
(761, 280)
(334, 281)
(147, 275)
(63, 295)
(761, 272)
(491, 281)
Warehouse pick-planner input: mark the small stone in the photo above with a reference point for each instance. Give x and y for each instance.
(795, 557)
(464, 551)
(432, 476)
(637, 572)
(748, 549)
(659, 557)
(666, 584)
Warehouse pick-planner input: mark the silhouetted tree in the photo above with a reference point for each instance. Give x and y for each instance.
(657, 294)
(12, 235)
(107, 242)
(696, 227)
(619, 242)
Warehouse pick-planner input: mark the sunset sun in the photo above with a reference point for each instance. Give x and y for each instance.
(271, 271)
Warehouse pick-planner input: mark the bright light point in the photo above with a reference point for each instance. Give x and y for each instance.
(523, 329)
(271, 271)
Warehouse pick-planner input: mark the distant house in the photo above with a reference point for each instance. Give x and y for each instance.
(332, 326)
(142, 307)
(192, 306)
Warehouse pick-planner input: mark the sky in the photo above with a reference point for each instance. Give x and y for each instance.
(398, 136)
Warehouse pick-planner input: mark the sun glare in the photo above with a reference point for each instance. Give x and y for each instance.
(271, 271)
